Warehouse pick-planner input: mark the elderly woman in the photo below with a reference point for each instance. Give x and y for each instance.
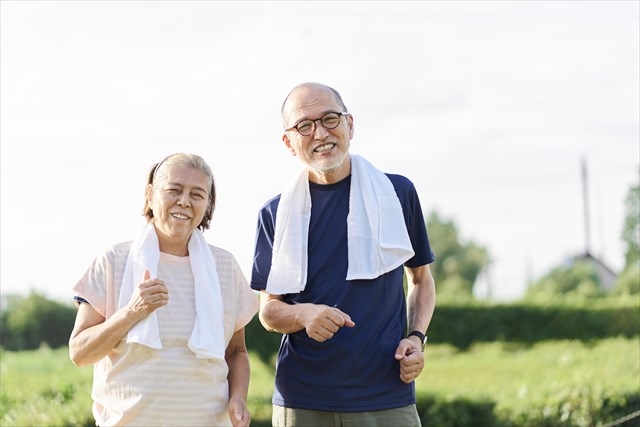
(162, 317)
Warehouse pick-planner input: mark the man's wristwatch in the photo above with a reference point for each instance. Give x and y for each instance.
(420, 335)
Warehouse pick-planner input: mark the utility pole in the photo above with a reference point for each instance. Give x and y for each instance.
(585, 198)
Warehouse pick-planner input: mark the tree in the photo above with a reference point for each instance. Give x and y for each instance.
(631, 228)
(575, 279)
(458, 264)
(579, 277)
(628, 282)
(34, 320)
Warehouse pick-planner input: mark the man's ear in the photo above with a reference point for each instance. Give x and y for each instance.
(287, 143)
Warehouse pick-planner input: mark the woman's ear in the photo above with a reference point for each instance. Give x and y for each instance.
(148, 194)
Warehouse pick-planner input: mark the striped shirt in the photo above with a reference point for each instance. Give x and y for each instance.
(136, 385)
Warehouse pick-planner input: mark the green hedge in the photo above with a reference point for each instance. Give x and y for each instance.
(264, 344)
(579, 408)
(35, 320)
(462, 326)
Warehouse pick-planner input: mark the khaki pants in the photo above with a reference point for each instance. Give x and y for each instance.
(406, 416)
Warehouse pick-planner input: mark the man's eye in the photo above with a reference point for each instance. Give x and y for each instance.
(304, 126)
(330, 121)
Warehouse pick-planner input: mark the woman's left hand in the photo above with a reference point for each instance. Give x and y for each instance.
(238, 413)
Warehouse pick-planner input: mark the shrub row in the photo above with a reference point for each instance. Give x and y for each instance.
(462, 326)
(589, 410)
(579, 408)
(35, 320)
(576, 409)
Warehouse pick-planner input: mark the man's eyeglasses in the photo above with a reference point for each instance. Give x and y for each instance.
(329, 121)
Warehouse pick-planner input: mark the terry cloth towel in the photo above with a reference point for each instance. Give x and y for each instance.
(378, 241)
(207, 337)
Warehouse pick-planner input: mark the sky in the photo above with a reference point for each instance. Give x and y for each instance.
(489, 107)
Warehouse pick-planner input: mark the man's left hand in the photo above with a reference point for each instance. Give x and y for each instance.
(411, 359)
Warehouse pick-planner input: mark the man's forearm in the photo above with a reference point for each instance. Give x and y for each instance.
(278, 316)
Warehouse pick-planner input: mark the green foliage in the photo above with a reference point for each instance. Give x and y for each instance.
(631, 227)
(261, 342)
(464, 325)
(579, 279)
(562, 383)
(260, 390)
(43, 388)
(458, 263)
(29, 322)
(579, 406)
(628, 282)
(439, 411)
(35, 320)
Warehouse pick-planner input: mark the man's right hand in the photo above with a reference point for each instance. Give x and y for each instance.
(322, 322)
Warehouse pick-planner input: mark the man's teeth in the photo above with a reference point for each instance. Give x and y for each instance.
(180, 216)
(325, 147)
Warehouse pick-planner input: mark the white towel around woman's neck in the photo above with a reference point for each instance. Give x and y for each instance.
(378, 241)
(207, 338)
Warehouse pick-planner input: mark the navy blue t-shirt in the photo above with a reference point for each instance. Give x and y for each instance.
(355, 370)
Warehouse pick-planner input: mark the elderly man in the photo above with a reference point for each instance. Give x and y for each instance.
(329, 259)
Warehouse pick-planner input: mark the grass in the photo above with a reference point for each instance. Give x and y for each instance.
(44, 388)
(514, 376)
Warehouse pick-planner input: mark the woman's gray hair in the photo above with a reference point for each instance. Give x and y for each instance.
(184, 160)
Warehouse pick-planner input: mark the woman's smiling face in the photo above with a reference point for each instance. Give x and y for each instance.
(179, 197)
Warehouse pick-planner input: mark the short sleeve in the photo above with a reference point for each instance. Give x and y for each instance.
(100, 283)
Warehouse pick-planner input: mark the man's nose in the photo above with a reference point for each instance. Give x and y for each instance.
(320, 131)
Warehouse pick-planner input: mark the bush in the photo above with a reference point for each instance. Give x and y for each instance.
(35, 320)
(580, 407)
(462, 326)
(262, 342)
(572, 408)
(457, 411)
(628, 282)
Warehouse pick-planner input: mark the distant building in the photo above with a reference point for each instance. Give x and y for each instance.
(606, 275)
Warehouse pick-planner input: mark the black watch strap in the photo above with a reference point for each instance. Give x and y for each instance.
(420, 335)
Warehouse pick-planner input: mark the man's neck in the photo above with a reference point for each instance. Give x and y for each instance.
(331, 176)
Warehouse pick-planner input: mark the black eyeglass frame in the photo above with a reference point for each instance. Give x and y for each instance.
(313, 122)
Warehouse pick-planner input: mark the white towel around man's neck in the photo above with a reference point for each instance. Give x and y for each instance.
(378, 241)
(207, 338)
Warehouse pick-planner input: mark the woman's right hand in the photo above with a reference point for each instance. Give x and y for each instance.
(93, 337)
(149, 295)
